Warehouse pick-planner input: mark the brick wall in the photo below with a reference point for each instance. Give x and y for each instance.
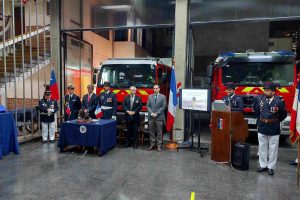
(11, 103)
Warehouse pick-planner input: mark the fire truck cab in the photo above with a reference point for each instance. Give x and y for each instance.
(249, 71)
(142, 73)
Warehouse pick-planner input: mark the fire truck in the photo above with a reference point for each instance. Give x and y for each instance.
(249, 71)
(142, 73)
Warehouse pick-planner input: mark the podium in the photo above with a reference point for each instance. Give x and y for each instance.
(227, 129)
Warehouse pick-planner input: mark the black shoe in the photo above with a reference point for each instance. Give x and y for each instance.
(127, 145)
(44, 141)
(135, 146)
(52, 141)
(260, 169)
(271, 172)
(293, 163)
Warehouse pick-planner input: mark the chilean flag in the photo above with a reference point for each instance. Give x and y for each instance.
(53, 87)
(172, 102)
(98, 112)
(295, 117)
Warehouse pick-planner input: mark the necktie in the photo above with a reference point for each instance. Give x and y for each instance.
(131, 102)
(155, 98)
(268, 101)
(89, 98)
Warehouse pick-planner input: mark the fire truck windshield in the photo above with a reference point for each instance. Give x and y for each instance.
(126, 75)
(258, 73)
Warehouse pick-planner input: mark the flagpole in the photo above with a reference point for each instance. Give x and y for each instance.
(298, 165)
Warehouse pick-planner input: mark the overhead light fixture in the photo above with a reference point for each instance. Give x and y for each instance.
(116, 7)
(260, 57)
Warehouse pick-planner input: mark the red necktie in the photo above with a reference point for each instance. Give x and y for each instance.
(89, 97)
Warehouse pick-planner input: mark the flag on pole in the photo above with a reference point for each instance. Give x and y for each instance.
(98, 112)
(172, 102)
(25, 1)
(295, 117)
(68, 110)
(53, 86)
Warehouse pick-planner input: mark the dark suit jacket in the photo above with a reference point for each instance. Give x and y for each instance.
(75, 106)
(90, 106)
(236, 103)
(136, 107)
(44, 105)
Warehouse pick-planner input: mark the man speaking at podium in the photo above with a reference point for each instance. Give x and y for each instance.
(270, 111)
(233, 102)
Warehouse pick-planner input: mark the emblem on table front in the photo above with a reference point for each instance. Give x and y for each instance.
(82, 129)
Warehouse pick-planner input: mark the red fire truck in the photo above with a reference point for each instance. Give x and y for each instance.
(249, 71)
(143, 73)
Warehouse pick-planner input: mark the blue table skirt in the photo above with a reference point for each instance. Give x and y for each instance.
(101, 134)
(8, 134)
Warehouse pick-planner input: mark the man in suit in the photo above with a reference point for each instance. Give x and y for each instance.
(108, 102)
(72, 103)
(232, 101)
(89, 102)
(47, 109)
(132, 105)
(156, 106)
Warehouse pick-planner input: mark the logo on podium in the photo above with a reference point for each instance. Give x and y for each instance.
(220, 123)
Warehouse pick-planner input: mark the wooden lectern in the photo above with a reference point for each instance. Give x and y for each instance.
(227, 129)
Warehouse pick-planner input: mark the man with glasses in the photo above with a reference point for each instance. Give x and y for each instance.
(132, 105)
(156, 106)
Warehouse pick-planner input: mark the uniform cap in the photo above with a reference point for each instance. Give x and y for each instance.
(230, 86)
(47, 92)
(106, 84)
(270, 86)
(71, 86)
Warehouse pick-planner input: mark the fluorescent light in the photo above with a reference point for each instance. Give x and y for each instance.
(116, 7)
(260, 57)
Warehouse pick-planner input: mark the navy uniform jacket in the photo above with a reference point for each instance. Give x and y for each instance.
(90, 106)
(75, 106)
(44, 105)
(235, 102)
(136, 107)
(108, 100)
(275, 111)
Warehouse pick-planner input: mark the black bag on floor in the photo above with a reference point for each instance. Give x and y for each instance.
(240, 156)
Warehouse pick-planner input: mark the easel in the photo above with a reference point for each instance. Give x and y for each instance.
(192, 132)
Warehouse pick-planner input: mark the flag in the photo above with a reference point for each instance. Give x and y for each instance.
(68, 110)
(53, 87)
(172, 102)
(25, 1)
(295, 117)
(98, 112)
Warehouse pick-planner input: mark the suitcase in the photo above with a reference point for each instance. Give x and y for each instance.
(240, 156)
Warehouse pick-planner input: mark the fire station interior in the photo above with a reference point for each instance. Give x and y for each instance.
(212, 39)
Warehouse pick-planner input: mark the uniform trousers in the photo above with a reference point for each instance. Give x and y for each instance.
(268, 150)
(45, 130)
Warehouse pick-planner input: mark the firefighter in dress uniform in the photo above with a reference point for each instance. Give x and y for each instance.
(232, 101)
(270, 111)
(72, 103)
(108, 102)
(47, 109)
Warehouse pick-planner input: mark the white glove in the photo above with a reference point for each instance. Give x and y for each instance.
(51, 110)
(114, 117)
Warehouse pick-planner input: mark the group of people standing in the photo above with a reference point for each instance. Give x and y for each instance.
(270, 111)
(107, 101)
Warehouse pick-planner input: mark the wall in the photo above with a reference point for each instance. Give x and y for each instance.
(102, 48)
(33, 15)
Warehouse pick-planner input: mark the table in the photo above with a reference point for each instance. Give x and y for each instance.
(8, 134)
(101, 134)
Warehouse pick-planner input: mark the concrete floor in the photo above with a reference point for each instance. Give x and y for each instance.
(41, 172)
